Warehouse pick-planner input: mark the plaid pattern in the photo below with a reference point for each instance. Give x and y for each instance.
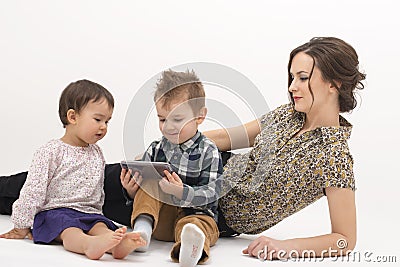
(198, 163)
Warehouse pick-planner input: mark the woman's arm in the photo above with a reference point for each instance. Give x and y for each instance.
(341, 240)
(235, 137)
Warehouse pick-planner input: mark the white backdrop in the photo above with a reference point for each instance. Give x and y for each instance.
(44, 45)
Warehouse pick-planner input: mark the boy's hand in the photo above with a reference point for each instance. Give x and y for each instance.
(129, 182)
(172, 184)
(17, 234)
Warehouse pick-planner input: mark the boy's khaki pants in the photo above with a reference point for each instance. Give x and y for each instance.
(172, 219)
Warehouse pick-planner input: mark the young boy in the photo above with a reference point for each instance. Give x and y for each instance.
(181, 207)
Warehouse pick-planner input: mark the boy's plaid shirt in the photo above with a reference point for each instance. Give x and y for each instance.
(198, 163)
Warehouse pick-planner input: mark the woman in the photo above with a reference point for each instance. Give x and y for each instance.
(299, 154)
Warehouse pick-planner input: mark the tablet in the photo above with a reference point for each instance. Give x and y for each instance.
(147, 169)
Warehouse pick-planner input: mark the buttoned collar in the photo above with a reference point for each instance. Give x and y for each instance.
(331, 133)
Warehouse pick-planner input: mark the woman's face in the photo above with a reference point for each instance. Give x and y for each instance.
(303, 100)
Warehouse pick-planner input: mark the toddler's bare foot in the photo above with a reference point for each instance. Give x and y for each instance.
(129, 243)
(98, 245)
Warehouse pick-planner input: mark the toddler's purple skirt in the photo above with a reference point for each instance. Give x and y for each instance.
(49, 224)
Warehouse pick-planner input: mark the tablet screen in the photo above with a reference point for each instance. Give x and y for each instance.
(147, 169)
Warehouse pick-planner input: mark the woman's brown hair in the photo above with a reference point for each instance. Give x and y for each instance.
(338, 63)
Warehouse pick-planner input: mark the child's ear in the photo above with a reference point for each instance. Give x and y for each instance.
(202, 115)
(71, 116)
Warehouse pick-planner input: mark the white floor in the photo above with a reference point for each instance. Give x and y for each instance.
(374, 242)
(21, 252)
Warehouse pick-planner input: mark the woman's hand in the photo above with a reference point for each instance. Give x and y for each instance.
(265, 248)
(17, 234)
(172, 184)
(129, 182)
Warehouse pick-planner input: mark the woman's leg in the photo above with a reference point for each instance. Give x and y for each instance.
(115, 207)
(10, 186)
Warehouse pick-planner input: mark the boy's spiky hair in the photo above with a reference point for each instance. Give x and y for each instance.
(180, 85)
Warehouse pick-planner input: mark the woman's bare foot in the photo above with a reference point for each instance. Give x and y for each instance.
(129, 243)
(98, 245)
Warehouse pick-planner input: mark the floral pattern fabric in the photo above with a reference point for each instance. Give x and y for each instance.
(284, 173)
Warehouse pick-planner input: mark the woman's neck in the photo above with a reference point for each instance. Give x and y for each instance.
(328, 117)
